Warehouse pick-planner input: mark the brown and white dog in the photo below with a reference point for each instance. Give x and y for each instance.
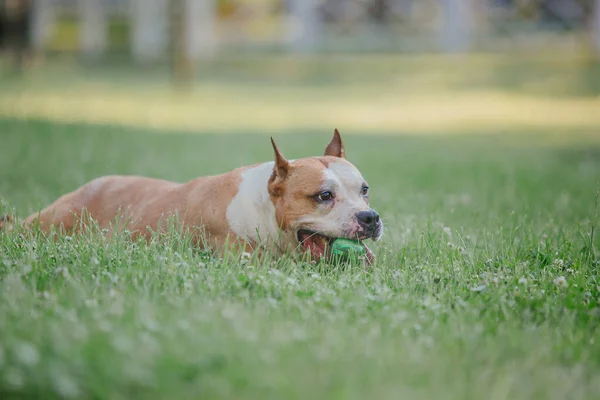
(282, 206)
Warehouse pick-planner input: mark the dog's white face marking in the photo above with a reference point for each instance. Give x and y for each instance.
(251, 214)
(337, 218)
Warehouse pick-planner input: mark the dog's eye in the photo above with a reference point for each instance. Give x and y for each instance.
(365, 191)
(324, 196)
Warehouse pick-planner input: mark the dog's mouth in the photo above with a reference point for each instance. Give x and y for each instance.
(318, 245)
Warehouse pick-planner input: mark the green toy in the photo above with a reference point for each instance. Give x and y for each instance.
(346, 249)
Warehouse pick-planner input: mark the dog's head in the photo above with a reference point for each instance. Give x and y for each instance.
(319, 199)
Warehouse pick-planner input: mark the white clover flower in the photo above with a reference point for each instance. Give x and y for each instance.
(561, 281)
(27, 354)
(559, 263)
(14, 378)
(294, 282)
(228, 313)
(90, 303)
(65, 385)
(522, 281)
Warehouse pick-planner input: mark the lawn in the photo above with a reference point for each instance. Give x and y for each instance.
(385, 94)
(486, 284)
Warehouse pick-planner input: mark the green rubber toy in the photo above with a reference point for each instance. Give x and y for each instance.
(347, 249)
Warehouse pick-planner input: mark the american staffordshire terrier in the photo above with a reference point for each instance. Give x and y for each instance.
(282, 206)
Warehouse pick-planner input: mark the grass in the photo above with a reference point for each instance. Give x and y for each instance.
(486, 284)
(485, 169)
(392, 94)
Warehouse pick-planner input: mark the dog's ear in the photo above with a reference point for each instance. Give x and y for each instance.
(281, 164)
(335, 148)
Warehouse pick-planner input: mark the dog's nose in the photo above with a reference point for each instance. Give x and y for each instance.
(368, 218)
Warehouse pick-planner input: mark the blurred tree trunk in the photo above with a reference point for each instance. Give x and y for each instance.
(93, 33)
(15, 18)
(42, 23)
(595, 28)
(457, 26)
(304, 24)
(148, 29)
(179, 62)
(379, 11)
(192, 36)
(200, 28)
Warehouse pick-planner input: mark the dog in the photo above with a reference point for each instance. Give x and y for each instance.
(281, 206)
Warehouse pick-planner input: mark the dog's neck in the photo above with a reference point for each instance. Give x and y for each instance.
(251, 213)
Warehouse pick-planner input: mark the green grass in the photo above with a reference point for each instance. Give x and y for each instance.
(386, 93)
(486, 284)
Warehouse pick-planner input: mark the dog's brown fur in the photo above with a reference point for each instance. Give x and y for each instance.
(144, 203)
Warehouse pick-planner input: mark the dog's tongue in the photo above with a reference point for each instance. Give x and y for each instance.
(316, 244)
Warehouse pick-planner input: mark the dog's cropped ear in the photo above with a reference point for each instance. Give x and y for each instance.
(281, 164)
(335, 148)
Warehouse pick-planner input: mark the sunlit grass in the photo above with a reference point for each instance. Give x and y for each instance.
(277, 94)
(220, 109)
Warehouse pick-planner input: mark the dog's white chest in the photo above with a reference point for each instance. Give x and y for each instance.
(251, 213)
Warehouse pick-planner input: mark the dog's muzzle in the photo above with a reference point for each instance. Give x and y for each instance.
(370, 224)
